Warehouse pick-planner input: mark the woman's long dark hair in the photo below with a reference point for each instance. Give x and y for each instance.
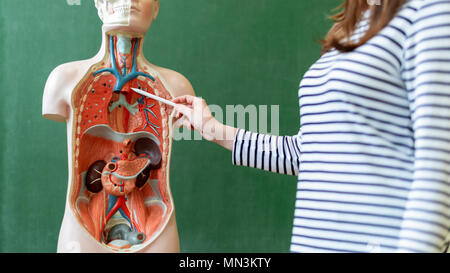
(348, 16)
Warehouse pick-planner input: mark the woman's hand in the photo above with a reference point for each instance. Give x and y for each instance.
(193, 113)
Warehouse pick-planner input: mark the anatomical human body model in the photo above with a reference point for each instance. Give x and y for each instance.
(119, 141)
(121, 151)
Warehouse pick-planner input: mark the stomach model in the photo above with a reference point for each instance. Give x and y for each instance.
(120, 190)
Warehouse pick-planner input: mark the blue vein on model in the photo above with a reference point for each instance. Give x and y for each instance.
(121, 80)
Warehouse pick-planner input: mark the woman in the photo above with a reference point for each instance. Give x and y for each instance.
(373, 151)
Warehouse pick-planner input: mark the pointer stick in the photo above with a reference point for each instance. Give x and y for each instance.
(139, 91)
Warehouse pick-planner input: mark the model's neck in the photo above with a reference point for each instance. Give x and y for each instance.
(123, 45)
(123, 52)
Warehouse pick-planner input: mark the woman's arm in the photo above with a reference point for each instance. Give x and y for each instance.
(426, 219)
(278, 154)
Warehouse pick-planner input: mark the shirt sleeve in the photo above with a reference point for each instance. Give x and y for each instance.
(279, 154)
(425, 223)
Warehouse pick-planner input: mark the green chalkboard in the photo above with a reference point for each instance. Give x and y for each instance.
(248, 52)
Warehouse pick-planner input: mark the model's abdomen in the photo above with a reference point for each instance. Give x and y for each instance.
(121, 150)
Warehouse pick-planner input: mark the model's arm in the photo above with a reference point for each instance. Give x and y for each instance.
(54, 104)
(426, 220)
(280, 154)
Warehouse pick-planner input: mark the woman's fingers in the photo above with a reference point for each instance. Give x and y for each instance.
(187, 124)
(181, 109)
(198, 103)
(190, 101)
(185, 99)
(183, 122)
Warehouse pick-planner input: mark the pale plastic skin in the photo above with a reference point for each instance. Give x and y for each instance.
(57, 107)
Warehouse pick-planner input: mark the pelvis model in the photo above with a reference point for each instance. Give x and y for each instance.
(121, 148)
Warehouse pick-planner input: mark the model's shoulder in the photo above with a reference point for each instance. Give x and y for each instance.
(59, 77)
(179, 84)
(66, 76)
(68, 70)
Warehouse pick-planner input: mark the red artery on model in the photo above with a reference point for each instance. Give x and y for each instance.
(120, 204)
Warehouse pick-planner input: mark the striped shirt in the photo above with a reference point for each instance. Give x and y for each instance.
(372, 154)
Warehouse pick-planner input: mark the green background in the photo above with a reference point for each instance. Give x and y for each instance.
(232, 51)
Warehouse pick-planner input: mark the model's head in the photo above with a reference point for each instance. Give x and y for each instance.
(127, 15)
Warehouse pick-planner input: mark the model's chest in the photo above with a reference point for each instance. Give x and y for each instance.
(95, 103)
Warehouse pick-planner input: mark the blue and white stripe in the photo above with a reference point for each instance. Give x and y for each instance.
(373, 151)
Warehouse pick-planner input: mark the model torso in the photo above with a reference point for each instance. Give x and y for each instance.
(119, 145)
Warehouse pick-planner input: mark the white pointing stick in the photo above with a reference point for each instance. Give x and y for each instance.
(139, 91)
